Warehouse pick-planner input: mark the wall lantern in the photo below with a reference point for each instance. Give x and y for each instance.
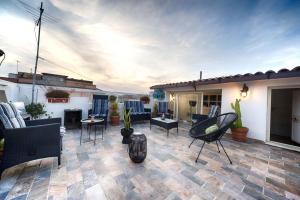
(2, 54)
(244, 91)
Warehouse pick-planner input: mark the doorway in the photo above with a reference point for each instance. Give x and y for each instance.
(188, 104)
(285, 116)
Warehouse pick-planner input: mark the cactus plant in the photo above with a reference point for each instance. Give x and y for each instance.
(237, 109)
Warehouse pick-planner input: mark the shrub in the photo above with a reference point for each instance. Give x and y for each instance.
(145, 99)
(35, 110)
(112, 98)
(57, 94)
(114, 109)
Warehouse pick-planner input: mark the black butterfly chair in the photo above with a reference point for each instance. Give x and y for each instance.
(224, 122)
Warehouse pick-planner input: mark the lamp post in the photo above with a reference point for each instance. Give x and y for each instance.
(2, 54)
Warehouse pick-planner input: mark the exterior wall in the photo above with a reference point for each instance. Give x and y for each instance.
(255, 107)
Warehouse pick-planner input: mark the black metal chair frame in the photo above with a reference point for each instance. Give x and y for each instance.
(39, 139)
(215, 136)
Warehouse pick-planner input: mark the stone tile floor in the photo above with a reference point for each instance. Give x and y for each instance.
(169, 172)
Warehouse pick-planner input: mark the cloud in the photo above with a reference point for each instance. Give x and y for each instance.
(131, 45)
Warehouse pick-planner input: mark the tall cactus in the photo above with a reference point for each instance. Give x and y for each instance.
(237, 109)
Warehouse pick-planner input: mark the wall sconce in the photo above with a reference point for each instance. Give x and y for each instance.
(172, 97)
(2, 54)
(244, 91)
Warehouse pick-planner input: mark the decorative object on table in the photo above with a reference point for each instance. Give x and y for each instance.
(137, 148)
(2, 54)
(57, 96)
(192, 104)
(127, 130)
(72, 118)
(163, 117)
(114, 114)
(89, 124)
(238, 132)
(92, 118)
(145, 99)
(35, 110)
(212, 130)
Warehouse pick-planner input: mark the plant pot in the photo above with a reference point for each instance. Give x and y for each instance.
(126, 133)
(115, 120)
(58, 100)
(239, 134)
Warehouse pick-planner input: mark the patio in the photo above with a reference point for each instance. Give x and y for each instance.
(104, 171)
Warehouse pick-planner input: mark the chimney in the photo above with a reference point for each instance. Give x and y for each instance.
(200, 75)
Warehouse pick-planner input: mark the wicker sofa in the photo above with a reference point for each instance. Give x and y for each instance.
(138, 112)
(27, 140)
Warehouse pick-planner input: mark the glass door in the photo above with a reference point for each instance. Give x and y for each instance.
(188, 104)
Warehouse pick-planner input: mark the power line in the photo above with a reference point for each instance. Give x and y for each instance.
(65, 68)
(31, 8)
(34, 12)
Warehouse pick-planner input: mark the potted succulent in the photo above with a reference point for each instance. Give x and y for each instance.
(114, 115)
(145, 99)
(57, 96)
(127, 130)
(238, 132)
(36, 110)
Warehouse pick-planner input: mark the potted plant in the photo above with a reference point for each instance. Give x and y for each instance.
(155, 110)
(114, 115)
(57, 96)
(127, 130)
(145, 99)
(35, 110)
(112, 98)
(238, 132)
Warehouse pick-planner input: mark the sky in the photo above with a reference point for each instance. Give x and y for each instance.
(130, 45)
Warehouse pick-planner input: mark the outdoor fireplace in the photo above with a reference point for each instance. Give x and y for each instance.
(72, 118)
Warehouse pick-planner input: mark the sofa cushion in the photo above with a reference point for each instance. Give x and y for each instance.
(10, 114)
(18, 115)
(4, 119)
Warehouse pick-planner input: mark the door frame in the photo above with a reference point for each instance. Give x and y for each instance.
(268, 133)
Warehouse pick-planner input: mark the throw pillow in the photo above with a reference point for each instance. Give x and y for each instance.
(211, 129)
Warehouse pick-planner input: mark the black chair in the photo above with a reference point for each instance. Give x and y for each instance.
(213, 112)
(224, 122)
(39, 139)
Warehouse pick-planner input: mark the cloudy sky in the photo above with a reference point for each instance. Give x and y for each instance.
(129, 45)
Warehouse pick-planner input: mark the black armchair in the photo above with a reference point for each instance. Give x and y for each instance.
(39, 139)
(224, 122)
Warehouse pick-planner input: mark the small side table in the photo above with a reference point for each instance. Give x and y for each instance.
(89, 124)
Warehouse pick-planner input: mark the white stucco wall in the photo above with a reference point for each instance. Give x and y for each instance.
(254, 107)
